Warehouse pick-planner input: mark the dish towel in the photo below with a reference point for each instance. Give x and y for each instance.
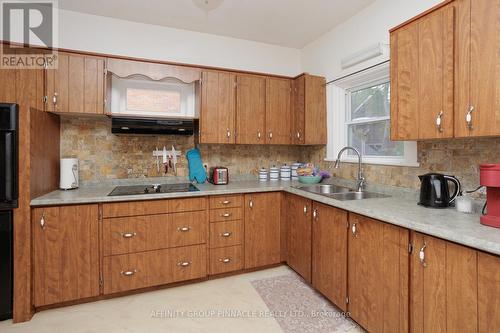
(196, 169)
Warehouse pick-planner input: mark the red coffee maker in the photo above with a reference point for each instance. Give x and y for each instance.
(489, 175)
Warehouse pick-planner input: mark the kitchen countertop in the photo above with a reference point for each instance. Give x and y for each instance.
(400, 210)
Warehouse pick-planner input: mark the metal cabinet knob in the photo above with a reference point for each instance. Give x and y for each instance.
(184, 229)
(250, 204)
(439, 121)
(468, 118)
(54, 99)
(421, 255)
(298, 135)
(129, 273)
(259, 135)
(225, 215)
(305, 209)
(184, 263)
(228, 133)
(226, 234)
(354, 230)
(270, 135)
(129, 234)
(42, 221)
(225, 202)
(225, 260)
(315, 214)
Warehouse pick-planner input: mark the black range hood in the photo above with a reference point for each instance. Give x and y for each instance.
(154, 126)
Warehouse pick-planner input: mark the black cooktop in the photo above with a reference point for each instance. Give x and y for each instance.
(152, 189)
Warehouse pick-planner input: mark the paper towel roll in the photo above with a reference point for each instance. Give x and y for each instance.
(69, 174)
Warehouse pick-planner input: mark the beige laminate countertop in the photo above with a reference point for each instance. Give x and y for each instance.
(398, 209)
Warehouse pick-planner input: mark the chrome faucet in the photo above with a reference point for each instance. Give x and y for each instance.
(361, 178)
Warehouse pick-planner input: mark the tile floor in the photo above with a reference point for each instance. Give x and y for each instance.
(153, 311)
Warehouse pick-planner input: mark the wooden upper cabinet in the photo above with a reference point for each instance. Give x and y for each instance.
(309, 110)
(250, 109)
(218, 107)
(329, 253)
(478, 76)
(76, 86)
(66, 253)
(444, 286)
(378, 275)
(262, 229)
(278, 110)
(422, 77)
(299, 214)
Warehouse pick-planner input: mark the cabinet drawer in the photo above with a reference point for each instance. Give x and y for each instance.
(153, 232)
(226, 259)
(188, 228)
(227, 214)
(228, 233)
(136, 208)
(225, 201)
(153, 268)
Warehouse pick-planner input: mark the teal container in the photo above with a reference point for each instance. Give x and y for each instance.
(310, 179)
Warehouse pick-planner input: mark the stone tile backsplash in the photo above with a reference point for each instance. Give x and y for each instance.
(105, 156)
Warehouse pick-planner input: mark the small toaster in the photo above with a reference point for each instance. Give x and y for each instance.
(219, 175)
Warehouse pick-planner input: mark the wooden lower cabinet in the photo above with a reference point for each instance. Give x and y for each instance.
(378, 274)
(65, 253)
(488, 292)
(226, 259)
(329, 253)
(262, 229)
(299, 234)
(153, 268)
(443, 286)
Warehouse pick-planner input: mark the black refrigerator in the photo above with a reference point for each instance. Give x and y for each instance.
(9, 157)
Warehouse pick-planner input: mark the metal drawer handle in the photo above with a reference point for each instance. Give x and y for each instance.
(225, 260)
(184, 263)
(421, 255)
(226, 234)
(128, 273)
(225, 202)
(315, 214)
(54, 99)
(225, 215)
(184, 229)
(305, 209)
(129, 234)
(439, 121)
(250, 203)
(298, 135)
(270, 135)
(228, 133)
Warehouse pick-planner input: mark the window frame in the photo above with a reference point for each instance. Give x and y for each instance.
(338, 117)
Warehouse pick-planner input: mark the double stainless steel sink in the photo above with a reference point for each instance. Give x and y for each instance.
(341, 193)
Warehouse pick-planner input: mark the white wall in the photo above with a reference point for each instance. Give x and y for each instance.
(322, 57)
(112, 36)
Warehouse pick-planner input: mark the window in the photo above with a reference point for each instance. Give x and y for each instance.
(359, 116)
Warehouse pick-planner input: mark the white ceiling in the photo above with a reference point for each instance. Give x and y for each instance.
(291, 23)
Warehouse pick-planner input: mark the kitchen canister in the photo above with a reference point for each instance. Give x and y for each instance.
(263, 175)
(274, 173)
(294, 168)
(285, 172)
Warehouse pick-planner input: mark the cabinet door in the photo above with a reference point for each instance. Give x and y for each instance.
(378, 275)
(76, 86)
(422, 77)
(299, 235)
(484, 71)
(262, 229)
(250, 109)
(443, 286)
(435, 74)
(217, 118)
(298, 110)
(329, 253)
(278, 112)
(66, 253)
(315, 110)
(488, 292)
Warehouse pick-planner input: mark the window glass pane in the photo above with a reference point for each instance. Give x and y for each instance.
(371, 102)
(373, 139)
(153, 100)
